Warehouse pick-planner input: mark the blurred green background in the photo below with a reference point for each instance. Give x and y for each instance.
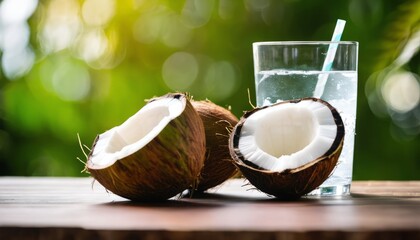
(73, 67)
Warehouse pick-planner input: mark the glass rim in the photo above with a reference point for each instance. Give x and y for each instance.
(278, 43)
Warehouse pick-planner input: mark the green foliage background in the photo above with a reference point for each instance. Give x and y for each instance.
(64, 94)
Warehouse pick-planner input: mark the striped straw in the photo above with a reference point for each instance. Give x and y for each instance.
(332, 49)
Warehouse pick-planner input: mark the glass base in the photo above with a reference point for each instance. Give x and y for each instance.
(331, 191)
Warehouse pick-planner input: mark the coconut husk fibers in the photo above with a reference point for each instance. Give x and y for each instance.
(218, 123)
(166, 166)
(290, 183)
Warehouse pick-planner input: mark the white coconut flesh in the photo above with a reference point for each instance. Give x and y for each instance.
(136, 132)
(287, 136)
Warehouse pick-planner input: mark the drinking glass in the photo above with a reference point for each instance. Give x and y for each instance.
(324, 69)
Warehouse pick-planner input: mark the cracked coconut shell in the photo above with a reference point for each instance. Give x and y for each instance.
(290, 148)
(155, 154)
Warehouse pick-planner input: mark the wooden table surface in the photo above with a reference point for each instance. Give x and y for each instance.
(74, 208)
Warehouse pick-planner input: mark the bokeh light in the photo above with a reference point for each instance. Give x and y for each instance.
(16, 36)
(60, 25)
(18, 62)
(98, 12)
(180, 70)
(17, 58)
(71, 81)
(197, 13)
(401, 91)
(220, 80)
(91, 45)
(174, 33)
(147, 27)
(17, 11)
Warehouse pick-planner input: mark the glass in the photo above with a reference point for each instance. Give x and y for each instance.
(291, 70)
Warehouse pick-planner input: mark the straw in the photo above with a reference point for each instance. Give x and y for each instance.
(332, 49)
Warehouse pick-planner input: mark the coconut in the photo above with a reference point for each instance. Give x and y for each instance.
(155, 154)
(218, 123)
(290, 148)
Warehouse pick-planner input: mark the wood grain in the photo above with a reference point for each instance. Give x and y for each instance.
(74, 208)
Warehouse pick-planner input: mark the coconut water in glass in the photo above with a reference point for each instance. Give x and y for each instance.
(292, 70)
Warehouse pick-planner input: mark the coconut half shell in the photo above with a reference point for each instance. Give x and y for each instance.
(218, 123)
(305, 175)
(155, 154)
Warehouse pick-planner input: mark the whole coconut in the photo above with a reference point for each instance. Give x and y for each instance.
(218, 123)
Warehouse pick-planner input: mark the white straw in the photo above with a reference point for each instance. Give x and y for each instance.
(332, 49)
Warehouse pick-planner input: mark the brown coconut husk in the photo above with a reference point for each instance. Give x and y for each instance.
(291, 183)
(218, 123)
(163, 168)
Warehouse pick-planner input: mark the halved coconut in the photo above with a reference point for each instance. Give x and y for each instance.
(218, 123)
(155, 154)
(289, 148)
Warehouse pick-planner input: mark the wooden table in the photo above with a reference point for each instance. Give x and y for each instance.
(73, 208)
